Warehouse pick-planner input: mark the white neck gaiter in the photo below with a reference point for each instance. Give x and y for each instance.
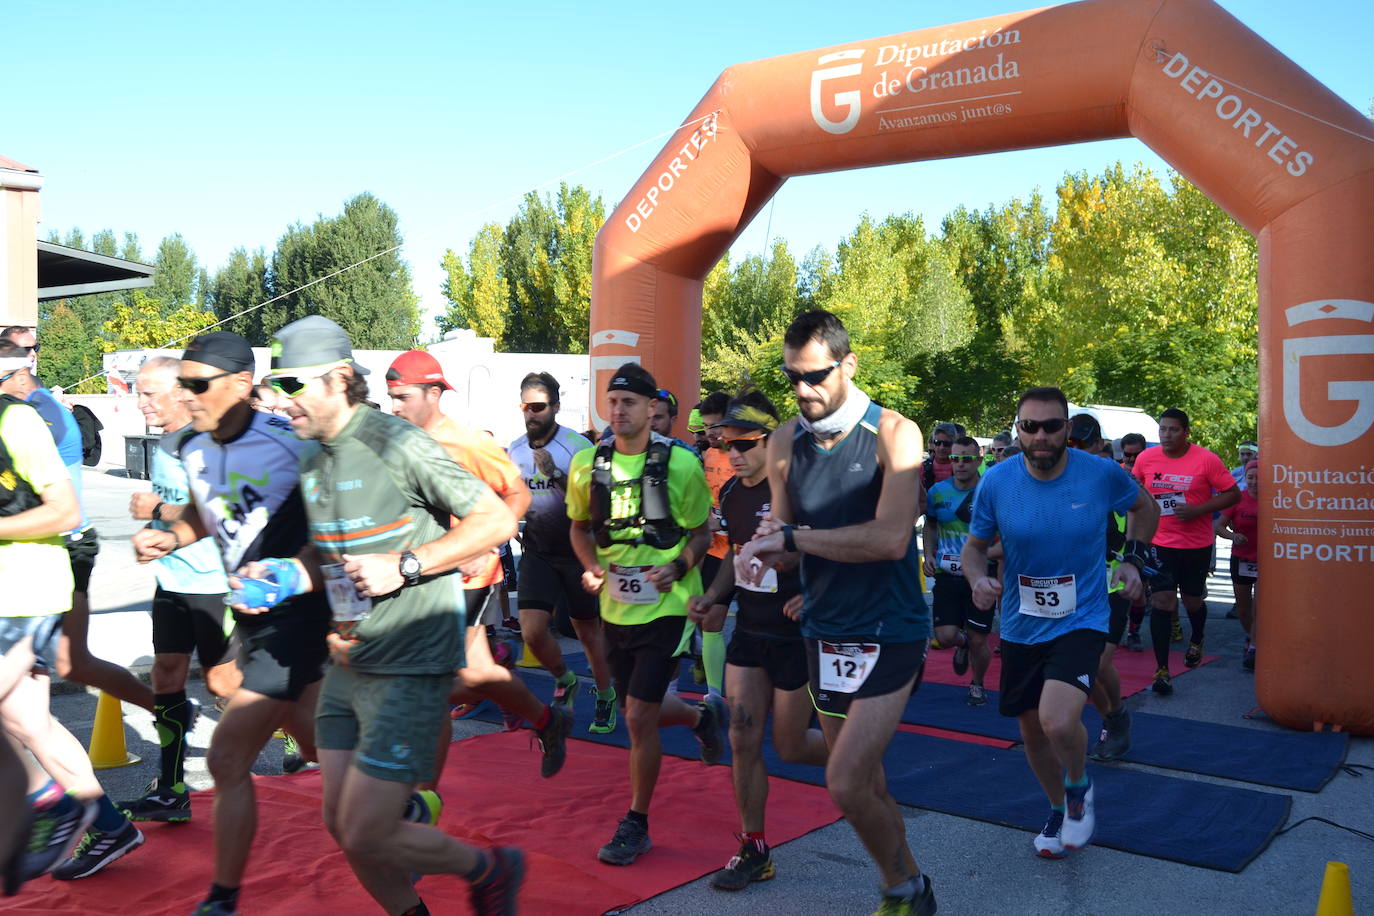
(844, 417)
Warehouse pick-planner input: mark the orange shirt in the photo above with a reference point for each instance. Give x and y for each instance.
(478, 452)
(718, 470)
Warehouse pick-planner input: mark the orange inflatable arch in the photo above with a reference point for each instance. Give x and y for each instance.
(1283, 155)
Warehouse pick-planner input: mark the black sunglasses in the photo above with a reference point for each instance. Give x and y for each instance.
(1052, 425)
(942, 443)
(200, 384)
(742, 444)
(812, 378)
(534, 407)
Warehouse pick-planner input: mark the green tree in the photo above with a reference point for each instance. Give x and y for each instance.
(69, 354)
(145, 323)
(174, 274)
(745, 310)
(239, 287)
(478, 295)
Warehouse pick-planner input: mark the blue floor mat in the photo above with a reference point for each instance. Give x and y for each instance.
(1305, 761)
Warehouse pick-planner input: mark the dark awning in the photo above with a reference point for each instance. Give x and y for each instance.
(66, 272)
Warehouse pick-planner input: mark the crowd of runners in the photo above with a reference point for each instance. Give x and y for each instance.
(338, 571)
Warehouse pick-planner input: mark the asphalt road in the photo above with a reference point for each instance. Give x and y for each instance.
(977, 868)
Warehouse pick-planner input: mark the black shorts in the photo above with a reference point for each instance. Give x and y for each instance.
(183, 623)
(782, 658)
(484, 605)
(644, 657)
(543, 580)
(952, 600)
(82, 547)
(45, 629)
(1182, 568)
(1236, 574)
(1072, 658)
(285, 653)
(709, 567)
(898, 665)
(1120, 612)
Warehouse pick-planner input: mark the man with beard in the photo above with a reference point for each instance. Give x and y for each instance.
(1048, 507)
(244, 475)
(549, 570)
(845, 484)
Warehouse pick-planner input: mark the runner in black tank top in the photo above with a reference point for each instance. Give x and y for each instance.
(847, 475)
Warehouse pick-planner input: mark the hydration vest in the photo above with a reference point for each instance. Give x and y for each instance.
(16, 494)
(655, 519)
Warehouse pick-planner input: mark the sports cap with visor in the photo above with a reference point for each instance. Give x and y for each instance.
(307, 349)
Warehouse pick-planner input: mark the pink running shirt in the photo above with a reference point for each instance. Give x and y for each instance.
(1191, 479)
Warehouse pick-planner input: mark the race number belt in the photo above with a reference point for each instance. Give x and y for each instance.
(1049, 596)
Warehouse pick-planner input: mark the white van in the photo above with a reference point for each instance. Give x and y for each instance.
(1118, 421)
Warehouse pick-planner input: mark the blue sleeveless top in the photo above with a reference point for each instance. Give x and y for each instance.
(856, 602)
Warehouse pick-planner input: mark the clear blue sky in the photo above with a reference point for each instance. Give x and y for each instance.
(227, 122)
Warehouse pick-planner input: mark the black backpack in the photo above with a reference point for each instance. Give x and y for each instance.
(90, 427)
(16, 495)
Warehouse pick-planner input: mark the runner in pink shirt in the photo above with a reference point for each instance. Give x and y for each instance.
(1240, 524)
(1188, 483)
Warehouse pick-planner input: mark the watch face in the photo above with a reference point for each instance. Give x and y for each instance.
(410, 565)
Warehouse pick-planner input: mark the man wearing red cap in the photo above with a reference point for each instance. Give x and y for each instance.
(415, 381)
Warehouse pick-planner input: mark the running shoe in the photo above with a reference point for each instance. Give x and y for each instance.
(466, 710)
(961, 658)
(495, 895)
(1048, 845)
(565, 696)
(54, 835)
(291, 759)
(1079, 819)
(603, 720)
(553, 741)
(1176, 631)
(631, 841)
(1193, 657)
(710, 730)
(172, 805)
(98, 850)
(1248, 662)
(1115, 738)
(502, 653)
(752, 863)
(977, 695)
(423, 807)
(214, 908)
(1134, 643)
(1163, 684)
(923, 904)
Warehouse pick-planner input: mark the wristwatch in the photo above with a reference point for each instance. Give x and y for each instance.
(410, 568)
(157, 510)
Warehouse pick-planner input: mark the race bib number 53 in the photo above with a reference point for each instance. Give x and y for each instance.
(631, 585)
(1050, 596)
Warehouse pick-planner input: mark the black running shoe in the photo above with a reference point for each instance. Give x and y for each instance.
(1115, 738)
(495, 895)
(631, 841)
(1248, 662)
(1163, 684)
(291, 759)
(710, 730)
(1193, 657)
(923, 904)
(54, 835)
(215, 908)
(752, 863)
(961, 658)
(553, 741)
(172, 804)
(98, 850)
(1134, 643)
(566, 696)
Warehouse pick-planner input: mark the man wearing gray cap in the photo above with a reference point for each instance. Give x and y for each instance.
(379, 493)
(244, 470)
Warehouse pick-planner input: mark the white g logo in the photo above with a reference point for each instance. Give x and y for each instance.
(849, 98)
(1361, 392)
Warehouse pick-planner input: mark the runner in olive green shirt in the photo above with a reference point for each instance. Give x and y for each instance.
(644, 586)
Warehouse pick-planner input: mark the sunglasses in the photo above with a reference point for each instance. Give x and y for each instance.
(941, 443)
(741, 445)
(812, 378)
(534, 407)
(199, 384)
(998, 449)
(1052, 425)
(667, 397)
(966, 459)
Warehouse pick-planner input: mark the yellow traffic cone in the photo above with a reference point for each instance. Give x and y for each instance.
(1335, 899)
(107, 738)
(527, 659)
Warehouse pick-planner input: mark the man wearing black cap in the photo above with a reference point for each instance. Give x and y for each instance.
(244, 470)
(638, 506)
(379, 495)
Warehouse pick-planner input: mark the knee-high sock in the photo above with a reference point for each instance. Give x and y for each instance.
(1161, 623)
(713, 660)
(1197, 621)
(1137, 618)
(172, 716)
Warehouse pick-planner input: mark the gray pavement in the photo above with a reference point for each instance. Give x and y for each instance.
(977, 868)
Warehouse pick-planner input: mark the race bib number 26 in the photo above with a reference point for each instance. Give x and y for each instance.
(631, 585)
(1049, 596)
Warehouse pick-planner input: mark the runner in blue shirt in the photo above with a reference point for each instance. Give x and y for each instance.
(1048, 507)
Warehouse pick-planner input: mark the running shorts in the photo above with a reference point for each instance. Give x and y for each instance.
(1071, 658)
(1182, 568)
(82, 547)
(45, 630)
(782, 658)
(186, 623)
(543, 580)
(898, 668)
(284, 654)
(644, 657)
(952, 601)
(390, 721)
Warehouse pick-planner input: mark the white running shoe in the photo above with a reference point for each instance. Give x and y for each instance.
(1079, 820)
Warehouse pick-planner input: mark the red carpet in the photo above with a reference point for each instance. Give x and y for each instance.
(492, 794)
(1137, 669)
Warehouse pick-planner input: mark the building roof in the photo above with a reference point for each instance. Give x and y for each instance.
(15, 166)
(66, 272)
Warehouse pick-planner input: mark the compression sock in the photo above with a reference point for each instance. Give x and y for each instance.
(46, 796)
(1137, 617)
(713, 659)
(108, 818)
(1197, 622)
(1161, 623)
(172, 717)
(543, 720)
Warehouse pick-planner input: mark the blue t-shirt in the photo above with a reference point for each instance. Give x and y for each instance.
(942, 505)
(1054, 580)
(67, 435)
(195, 569)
